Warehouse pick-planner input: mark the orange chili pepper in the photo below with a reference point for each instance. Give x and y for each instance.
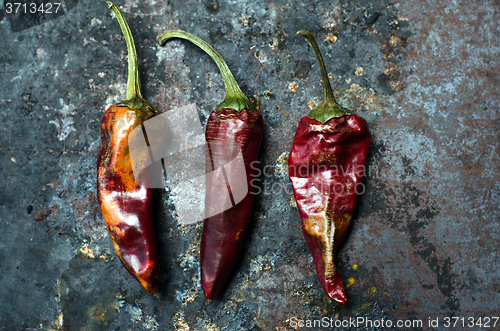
(126, 202)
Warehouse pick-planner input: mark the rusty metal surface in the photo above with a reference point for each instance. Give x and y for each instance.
(424, 238)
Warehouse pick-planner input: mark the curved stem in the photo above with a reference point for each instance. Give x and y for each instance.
(327, 88)
(235, 98)
(133, 82)
(134, 97)
(328, 108)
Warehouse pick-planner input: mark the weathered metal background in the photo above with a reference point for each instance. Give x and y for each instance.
(424, 239)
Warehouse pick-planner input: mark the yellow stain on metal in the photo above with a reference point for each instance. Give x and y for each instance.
(350, 281)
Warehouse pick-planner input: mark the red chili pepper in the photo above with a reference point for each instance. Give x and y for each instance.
(126, 203)
(326, 166)
(234, 123)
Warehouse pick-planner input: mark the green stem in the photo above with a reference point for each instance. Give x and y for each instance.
(328, 108)
(134, 97)
(235, 99)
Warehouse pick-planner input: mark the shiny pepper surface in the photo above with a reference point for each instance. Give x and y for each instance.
(125, 201)
(125, 204)
(234, 126)
(224, 233)
(326, 166)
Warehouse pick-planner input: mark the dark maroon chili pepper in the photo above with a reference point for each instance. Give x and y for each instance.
(326, 166)
(126, 203)
(234, 123)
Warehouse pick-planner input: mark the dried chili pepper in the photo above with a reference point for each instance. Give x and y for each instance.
(326, 166)
(125, 202)
(235, 122)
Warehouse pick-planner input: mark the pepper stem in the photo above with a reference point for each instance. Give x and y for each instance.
(134, 97)
(328, 108)
(235, 99)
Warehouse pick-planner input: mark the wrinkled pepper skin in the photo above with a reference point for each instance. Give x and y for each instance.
(235, 126)
(125, 204)
(223, 234)
(326, 166)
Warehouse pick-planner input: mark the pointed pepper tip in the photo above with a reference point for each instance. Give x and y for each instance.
(209, 290)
